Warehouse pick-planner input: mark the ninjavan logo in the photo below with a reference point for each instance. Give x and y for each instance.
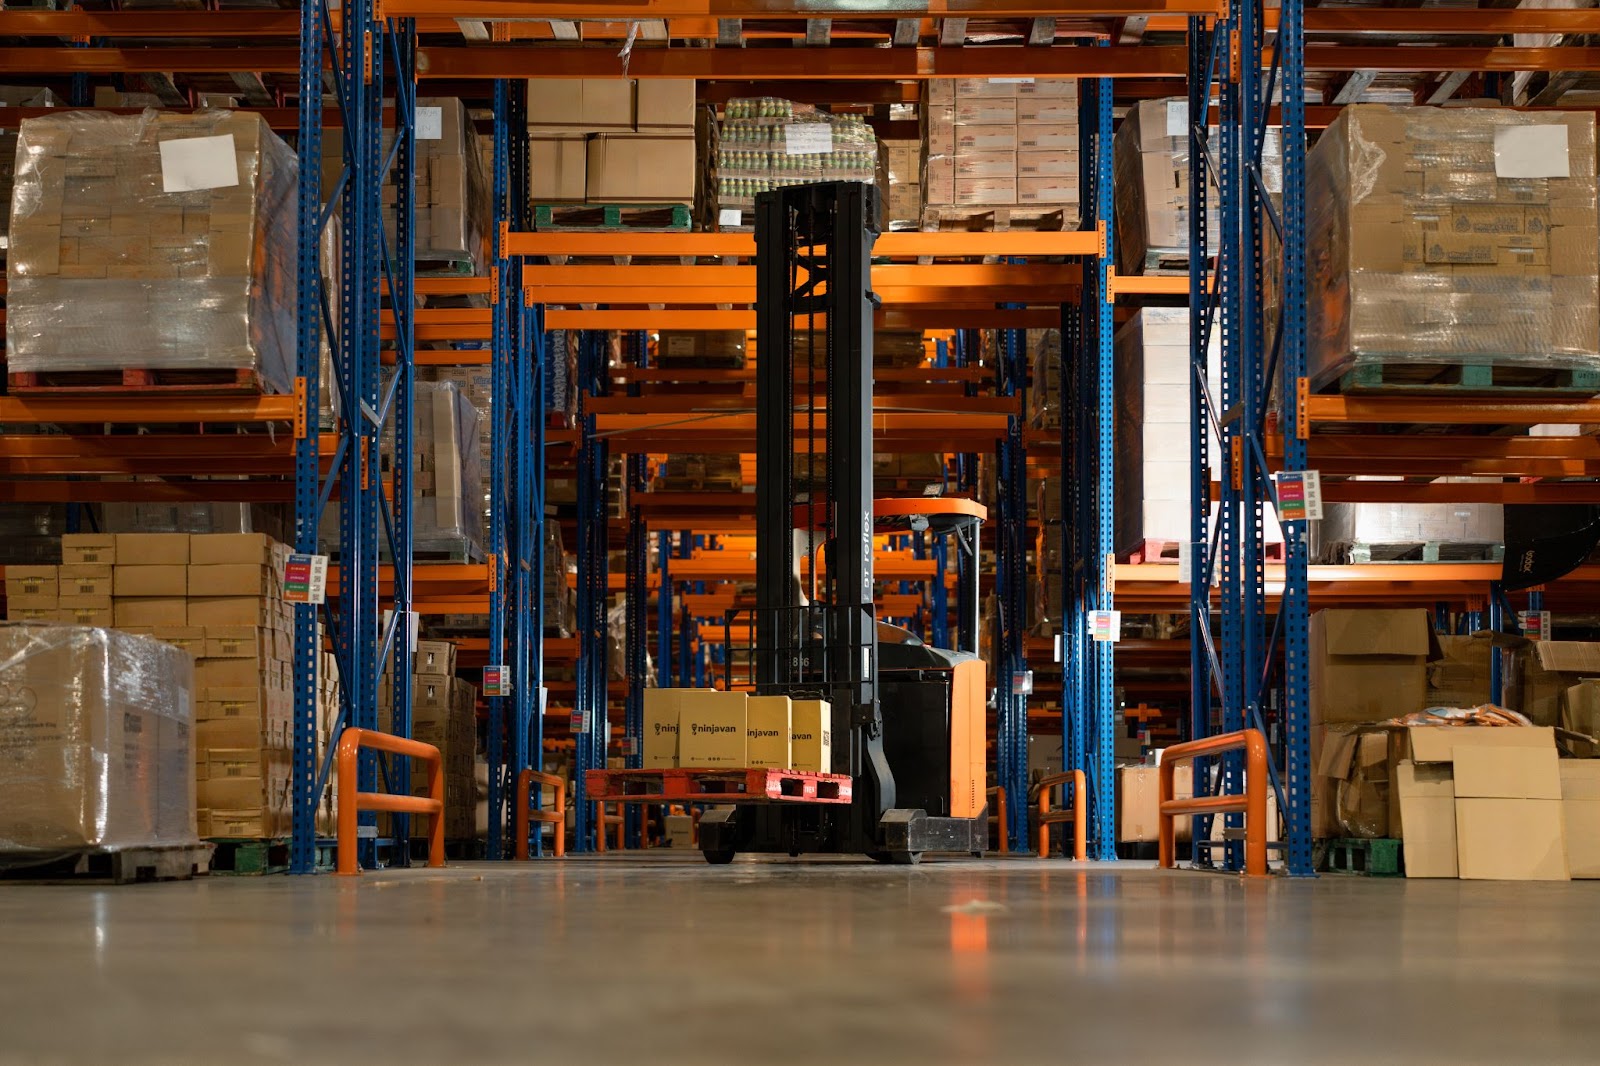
(801, 736)
(696, 728)
(665, 727)
(762, 734)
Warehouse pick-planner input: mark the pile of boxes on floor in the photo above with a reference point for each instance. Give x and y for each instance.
(1001, 142)
(711, 729)
(1465, 800)
(217, 600)
(444, 713)
(611, 141)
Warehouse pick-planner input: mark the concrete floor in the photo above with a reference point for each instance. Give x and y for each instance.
(622, 960)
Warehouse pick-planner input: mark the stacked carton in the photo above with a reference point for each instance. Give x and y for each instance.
(611, 140)
(452, 190)
(476, 384)
(770, 143)
(905, 184)
(700, 348)
(993, 142)
(708, 729)
(1463, 236)
(15, 96)
(444, 714)
(157, 241)
(1150, 159)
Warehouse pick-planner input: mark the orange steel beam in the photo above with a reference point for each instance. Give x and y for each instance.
(490, 10)
(54, 491)
(736, 433)
(891, 245)
(1456, 492)
(121, 409)
(1479, 411)
(162, 24)
(905, 318)
(669, 405)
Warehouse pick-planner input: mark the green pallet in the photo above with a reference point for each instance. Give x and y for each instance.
(1490, 375)
(1364, 858)
(611, 217)
(248, 858)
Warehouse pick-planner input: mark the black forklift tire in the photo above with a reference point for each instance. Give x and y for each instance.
(718, 858)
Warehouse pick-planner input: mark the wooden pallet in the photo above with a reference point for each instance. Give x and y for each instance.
(249, 858)
(659, 218)
(1166, 551)
(123, 866)
(446, 268)
(1459, 378)
(999, 219)
(1431, 551)
(687, 785)
(1364, 858)
(1165, 262)
(696, 484)
(137, 381)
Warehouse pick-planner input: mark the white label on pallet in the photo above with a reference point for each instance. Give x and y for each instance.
(430, 123)
(1177, 118)
(1531, 152)
(730, 216)
(189, 164)
(812, 138)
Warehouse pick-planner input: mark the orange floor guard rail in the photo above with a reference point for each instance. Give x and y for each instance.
(526, 815)
(997, 814)
(351, 741)
(1253, 803)
(1074, 814)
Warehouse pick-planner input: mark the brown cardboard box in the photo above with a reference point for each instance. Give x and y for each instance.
(234, 579)
(230, 611)
(985, 88)
(811, 735)
(1054, 190)
(712, 728)
(214, 548)
(153, 549)
(1358, 766)
(558, 168)
(34, 615)
(164, 580)
(149, 611)
(972, 140)
(191, 639)
(985, 165)
(1510, 840)
(1580, 807)
(1425, 793)
(1542, 672)
(985, 192)
(1368, 665)
(1044, 109)
(581, 104)
(79, 615)
(82, 582)
(642, 168)
(98, 548)
(434, 657)
(1138, 789)
(664, 104)
(662, 706)
(985, 112)
(768, 724)
(1441, 744)
(1580, 713)
(32, 581)
(1048, 136)
(44, 601)
(249, 824)
(1461, 677)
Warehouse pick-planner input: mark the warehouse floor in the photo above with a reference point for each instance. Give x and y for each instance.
(663, 959)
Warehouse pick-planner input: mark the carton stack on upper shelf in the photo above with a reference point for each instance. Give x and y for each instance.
(153, 242)
(769, 143)
(1000, 143)
(15, 96)
(1459, 238)
(452, 190)
(611, 141)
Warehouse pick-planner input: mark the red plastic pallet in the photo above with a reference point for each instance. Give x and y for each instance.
(752, 785)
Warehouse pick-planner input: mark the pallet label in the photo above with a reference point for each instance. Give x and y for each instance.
(1299, 495)
(305, 579)
(1105, 626)
(496, 681)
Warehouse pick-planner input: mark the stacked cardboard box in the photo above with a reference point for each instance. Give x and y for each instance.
(15, 96)
(1460, 677)
(1001, 142)
(1151, 169)
(96, 752)
(611, 140)
(160, 241)
(452, 189)
(1152, 492)
(1539, 673)
(905, 184)
(705, 728)
(444, 714)
(1454, 235)
(770, 143)
(700, 348)
(476, 384)
(1044, 391)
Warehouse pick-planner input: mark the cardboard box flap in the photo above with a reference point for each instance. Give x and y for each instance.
(1338, 751)
(1439, 743)
(1507, 773)
(1379, 633)
(1569, 656)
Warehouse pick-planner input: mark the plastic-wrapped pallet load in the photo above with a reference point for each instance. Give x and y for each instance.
(95, 740)
(1458, 236)
(452, 189)
(1349, 532)
(15, 96)
(447, 482)
(1151, 499)
(157, 241)
(769, 143)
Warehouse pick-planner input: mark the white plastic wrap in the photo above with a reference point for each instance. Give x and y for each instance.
(95, 740)
(1464, 236)
(159, 241)
(768, 143)
(452, 189)
(1348, 525)
(15, 96)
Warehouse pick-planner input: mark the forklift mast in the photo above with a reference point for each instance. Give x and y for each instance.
(814, 323)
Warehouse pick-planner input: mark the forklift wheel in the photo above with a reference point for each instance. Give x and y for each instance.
(718, 858)
(896, 858)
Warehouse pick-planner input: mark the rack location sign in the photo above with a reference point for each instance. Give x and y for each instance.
(496, 681)
(1299, 495)
(1105, 626)
(305, 579)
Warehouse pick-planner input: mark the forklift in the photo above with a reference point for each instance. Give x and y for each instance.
(908, 720)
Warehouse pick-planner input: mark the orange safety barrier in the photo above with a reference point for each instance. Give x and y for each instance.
(618, 824)
(1253, 803)
(351, 741)
(526, 815)
(998, 816)
(1076, 814)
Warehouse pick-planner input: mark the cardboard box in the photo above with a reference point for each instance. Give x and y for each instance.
(640, 168)
(1580, 809)
(581, 104)
(434, 657)
(713, 728)
(149, 611)
(97, 548)
(811, 735)
(558, 168)
(229, 611)
(1138, 793)
(215, 548)
(234, 579)
(16, 604)
(81, 581)
(1510, 840)
(78, 615)
(1358, 766)
(31, 581)
(164, 580)
(664, 104)
(1580, 713)
(153, 549)
(1427, 800)
(1368, 665)
(191, 639)
(1543, 671)
(662, 707)
(679, 831)
(768, 724)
